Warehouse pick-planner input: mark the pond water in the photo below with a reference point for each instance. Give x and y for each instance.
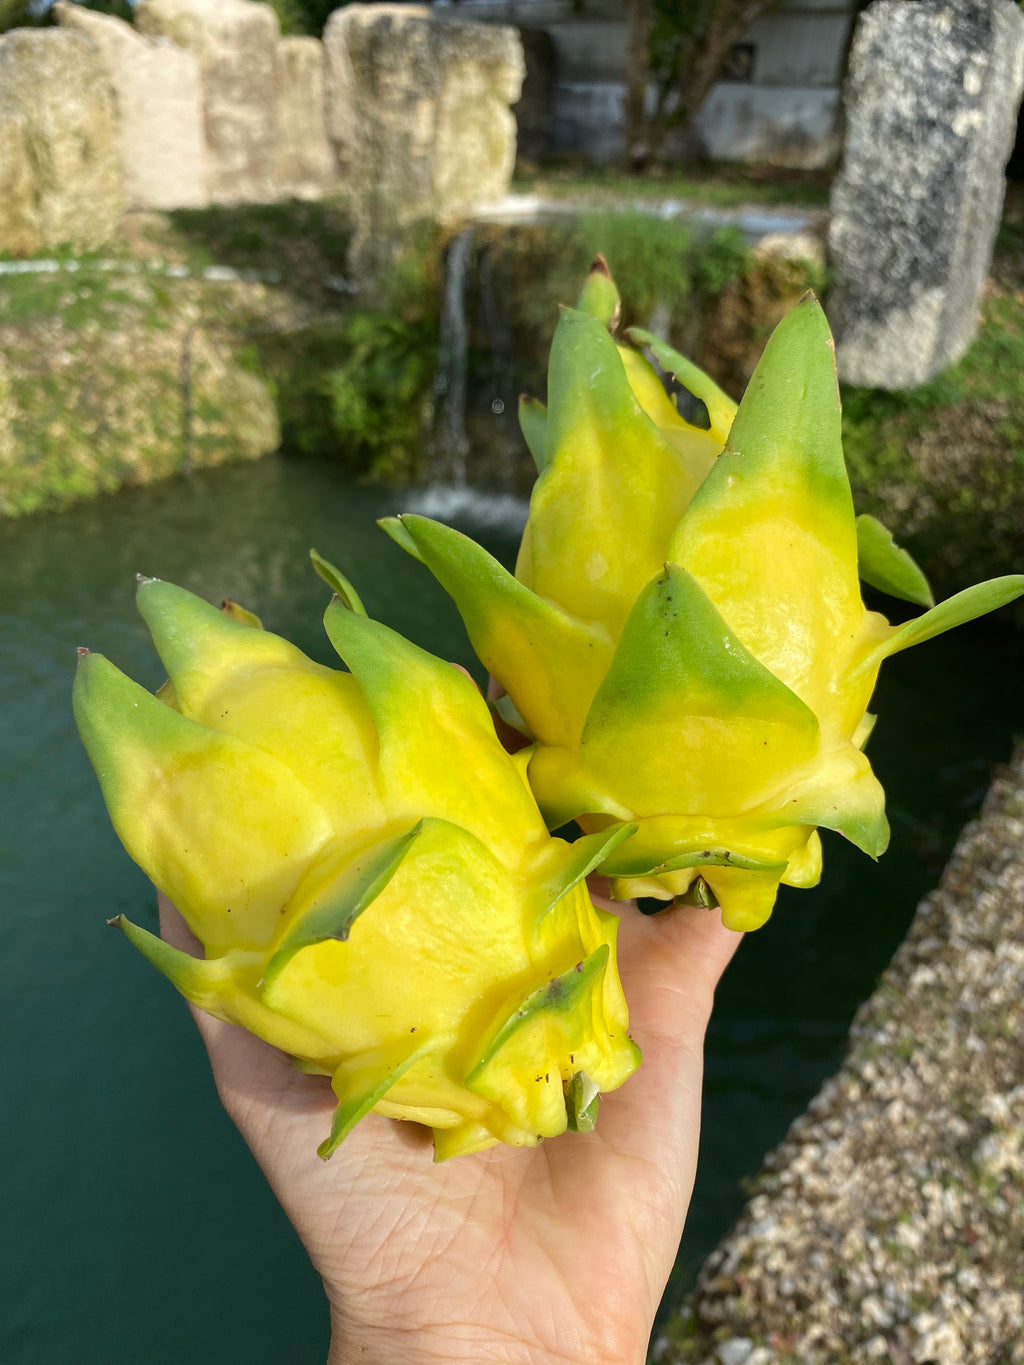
(137, 1227)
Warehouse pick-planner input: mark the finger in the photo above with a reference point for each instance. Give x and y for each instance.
(690, 936)
(246, 1070)
(697, 936)
(174, 930)
(462, 669)
(671, 964)
(227, 1044)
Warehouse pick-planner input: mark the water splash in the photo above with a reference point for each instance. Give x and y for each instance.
(496, 511)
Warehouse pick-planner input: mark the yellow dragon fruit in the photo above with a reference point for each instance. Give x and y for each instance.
(684, 640)
(367, 870)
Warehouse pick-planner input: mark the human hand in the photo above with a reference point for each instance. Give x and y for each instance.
(557, 1253)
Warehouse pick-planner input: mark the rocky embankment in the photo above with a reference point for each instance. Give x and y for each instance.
(182, 344)
(889, 1225)
(113, 371)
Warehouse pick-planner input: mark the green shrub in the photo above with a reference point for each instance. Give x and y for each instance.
(379, 394)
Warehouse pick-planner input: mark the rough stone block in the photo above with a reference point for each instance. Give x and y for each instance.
(158, 109)
(19, 232)
(237, 45)
(418, 109)
(59, 168)
(932, 100)
(307, 158)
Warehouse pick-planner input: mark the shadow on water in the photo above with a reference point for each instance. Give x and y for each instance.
(137, 1226)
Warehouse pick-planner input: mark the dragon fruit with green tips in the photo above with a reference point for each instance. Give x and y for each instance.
(684, 643)
(367, 870)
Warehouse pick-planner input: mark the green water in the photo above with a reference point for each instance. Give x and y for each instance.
(136, 1226)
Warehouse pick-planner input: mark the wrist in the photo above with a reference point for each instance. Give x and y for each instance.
(449, 1344)
(392, 1346)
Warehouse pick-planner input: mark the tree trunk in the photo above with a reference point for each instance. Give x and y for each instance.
(638, 73)
(701, 46)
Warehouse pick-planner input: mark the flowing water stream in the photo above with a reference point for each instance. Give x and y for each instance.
(136, 1226)
(478, 374)
(449, 438)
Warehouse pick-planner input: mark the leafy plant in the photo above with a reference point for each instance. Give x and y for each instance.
(678, 48)
(378, 394)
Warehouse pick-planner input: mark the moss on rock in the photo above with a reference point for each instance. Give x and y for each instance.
(943, 465)
(83, 410)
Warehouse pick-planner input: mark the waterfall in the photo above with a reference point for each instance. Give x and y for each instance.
(495, 313)
(450, 441)
(498, 448)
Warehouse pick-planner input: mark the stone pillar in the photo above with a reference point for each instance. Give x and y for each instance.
(60, 173)
(158, 109)
(932, 98)
(237, 45)
(418, 110)
(307, 159)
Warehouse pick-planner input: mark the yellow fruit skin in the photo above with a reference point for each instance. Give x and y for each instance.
(369, 874)
(684, 641)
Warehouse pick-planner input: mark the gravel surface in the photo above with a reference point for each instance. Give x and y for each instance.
(889, 1224)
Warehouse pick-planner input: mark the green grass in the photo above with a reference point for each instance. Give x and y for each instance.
(304, 242)
(723, 186)
(951, 453)
(82, 292)
(661, 266)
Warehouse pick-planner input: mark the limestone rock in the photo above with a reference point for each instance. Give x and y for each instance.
(8, 441)
(60, 172)
(237, 45)
(158, 110)
(418, 109)
(932, 102)
(231, 413)
(85, 410)
(781, 268)
(19, 232)
(307, 160)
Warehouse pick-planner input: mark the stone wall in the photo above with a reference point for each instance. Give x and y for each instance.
(203, 101)
(158, 110)
(126, 375)
(779, 104)
(307, 165)
(418, 109)
(237, 46)
(60, 177)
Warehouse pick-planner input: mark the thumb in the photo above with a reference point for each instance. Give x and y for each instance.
(671, 964)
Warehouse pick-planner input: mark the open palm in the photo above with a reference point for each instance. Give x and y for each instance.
(553, 1253)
